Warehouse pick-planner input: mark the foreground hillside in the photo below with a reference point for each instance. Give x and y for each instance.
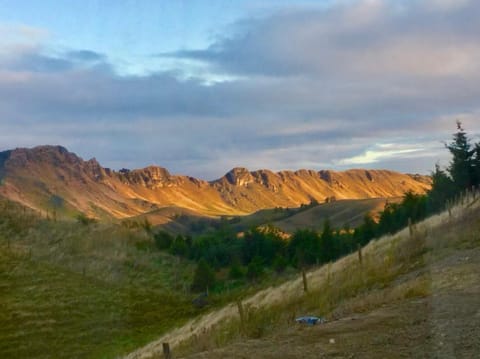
(414, 294)
(69, 290)
(49, 178)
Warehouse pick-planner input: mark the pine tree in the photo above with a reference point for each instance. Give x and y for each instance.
(327, 243)
(203, 278)
(476, 165)
(255, 268)
(461, 167)
(443, 189)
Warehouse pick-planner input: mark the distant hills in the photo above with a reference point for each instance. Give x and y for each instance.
(50, 178)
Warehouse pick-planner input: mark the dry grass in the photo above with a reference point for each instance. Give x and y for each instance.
(340, 213)
(394, 268)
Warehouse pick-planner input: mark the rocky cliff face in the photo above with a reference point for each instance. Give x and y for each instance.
(35, 176)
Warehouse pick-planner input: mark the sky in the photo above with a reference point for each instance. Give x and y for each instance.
(200, 87)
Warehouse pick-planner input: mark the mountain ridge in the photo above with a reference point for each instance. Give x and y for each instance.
(52, 177)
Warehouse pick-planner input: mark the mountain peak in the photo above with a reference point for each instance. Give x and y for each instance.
(239, 176)
(56, 155)
(150, 177)
(50, 148)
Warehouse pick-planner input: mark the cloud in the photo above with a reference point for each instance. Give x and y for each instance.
(326, 88)
(22, 49)
(447, 5)
(360, 38)
(379, 153)
(36, 60)
(85, 56)
(16, 35)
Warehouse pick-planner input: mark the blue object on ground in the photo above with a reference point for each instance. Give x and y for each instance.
(309, 320)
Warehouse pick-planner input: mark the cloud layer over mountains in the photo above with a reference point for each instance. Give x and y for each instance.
(371, 83)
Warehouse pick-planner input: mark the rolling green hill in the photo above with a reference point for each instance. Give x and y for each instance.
(73, 291)
(341, 214)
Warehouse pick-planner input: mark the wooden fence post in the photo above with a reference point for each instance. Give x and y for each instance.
(329, 267)
(410, 227)
(305, 283)
(360, 258)
(166, 351)
(241, 313)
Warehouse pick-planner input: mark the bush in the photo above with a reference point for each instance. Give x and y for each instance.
(85, 220)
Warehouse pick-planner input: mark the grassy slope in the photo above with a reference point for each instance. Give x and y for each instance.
(411, 296)
(71, 291)
(340, 213)
(168, 214)
(86, 291)
(49, 312)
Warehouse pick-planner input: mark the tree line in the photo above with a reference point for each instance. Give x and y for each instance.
(248, 256)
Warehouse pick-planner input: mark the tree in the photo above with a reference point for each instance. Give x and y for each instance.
(461, 167)
(413, 206)
(462, 173)
(304, 247)
(476, 165)
(387, 223)
(255, 268)
(327, 243)
(203, 278)
(443, 189)
(366, 231)
(236, 270)
(163, 240)
(280, 263)
(179, 247)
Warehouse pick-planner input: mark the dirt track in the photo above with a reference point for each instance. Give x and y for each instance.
(443, 325)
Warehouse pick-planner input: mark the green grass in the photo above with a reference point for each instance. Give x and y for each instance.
(74, 291)
(70, 290)
(47, 311)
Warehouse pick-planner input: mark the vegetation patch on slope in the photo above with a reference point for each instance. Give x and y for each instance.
(69, 289)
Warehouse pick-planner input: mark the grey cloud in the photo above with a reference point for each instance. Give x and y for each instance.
(39, 63)
(34, 59)
(85, 55)
(316, 87)
(362, 38)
